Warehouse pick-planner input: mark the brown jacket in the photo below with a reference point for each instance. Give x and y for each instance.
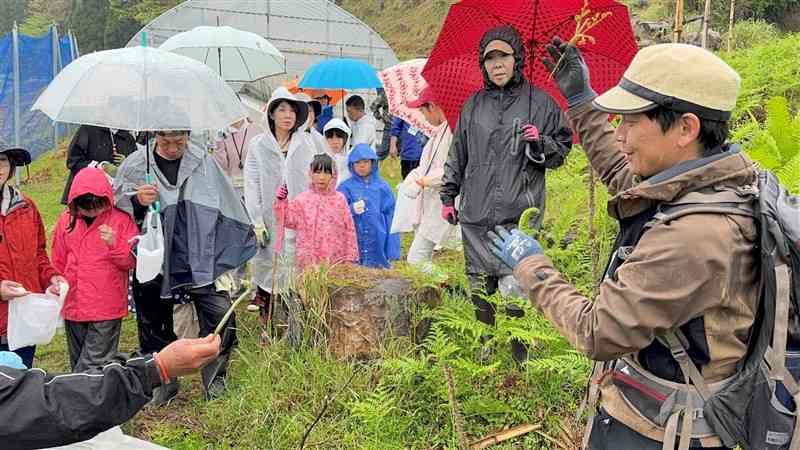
(697, 265)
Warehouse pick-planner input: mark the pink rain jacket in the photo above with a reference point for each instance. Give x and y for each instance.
(97, 274)
(324, 226)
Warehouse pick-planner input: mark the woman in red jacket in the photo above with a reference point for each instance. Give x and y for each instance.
(24, 265)
(92, 248)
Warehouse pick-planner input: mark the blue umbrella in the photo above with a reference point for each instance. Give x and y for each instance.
(340, 73)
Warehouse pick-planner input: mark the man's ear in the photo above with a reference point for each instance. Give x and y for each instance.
(689, 129)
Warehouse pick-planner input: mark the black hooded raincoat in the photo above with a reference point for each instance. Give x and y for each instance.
(496, 181)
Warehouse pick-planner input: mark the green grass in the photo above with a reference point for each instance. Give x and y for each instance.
(398, 400)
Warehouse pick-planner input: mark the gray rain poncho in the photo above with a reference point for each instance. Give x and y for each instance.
(265, 169)
(206, 229)
(498, 182)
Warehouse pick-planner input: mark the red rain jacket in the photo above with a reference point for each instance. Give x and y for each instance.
(23, 253)
(97, 273)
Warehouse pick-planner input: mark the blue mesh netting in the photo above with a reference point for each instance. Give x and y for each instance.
(36, 55)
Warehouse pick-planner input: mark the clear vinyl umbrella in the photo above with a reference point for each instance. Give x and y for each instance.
(236, 55)
(140, 89)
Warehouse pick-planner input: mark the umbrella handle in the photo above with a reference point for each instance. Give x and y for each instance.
(155, 207)
(517, 133)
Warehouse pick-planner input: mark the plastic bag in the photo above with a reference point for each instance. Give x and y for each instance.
(33, 318)
(150, 251)
(509, 287)
(404, 212)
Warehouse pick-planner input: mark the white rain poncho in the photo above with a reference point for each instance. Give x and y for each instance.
(265, 170)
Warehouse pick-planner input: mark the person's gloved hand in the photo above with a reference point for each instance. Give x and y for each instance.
(109, 169)
(572, 74)
(282, 193)
(118, 158)
(530, 133)
(12, 360)
(262, 236)
(450, 214)
(512, 247)
(359, 207)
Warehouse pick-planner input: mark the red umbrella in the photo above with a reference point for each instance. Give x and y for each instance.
(453, 68)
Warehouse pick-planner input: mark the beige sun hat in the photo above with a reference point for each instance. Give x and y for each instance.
(681, 77)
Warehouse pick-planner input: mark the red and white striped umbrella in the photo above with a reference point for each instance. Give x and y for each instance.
(403, 83)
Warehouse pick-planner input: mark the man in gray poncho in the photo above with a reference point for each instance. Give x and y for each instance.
(496, 180)
(206, 234)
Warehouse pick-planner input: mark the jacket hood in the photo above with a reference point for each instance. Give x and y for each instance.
(731, 169)
(91, 180)
(510, 36)
(359, 152)
(283, 94)
(338, 124)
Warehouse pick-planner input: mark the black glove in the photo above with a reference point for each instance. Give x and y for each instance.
(572, 75)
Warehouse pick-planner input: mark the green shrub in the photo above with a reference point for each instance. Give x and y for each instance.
(768, 70)
(775, 145)
(751, 33)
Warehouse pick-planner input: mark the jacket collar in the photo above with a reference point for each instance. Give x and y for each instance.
(731, 169)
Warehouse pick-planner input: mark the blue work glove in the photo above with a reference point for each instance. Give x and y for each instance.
(512, 247)
(572, 74)
(12, 360)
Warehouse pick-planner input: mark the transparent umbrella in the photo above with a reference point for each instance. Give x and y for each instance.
(236, 55)
(140, 89)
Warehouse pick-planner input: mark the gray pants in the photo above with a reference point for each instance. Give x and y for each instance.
(92, 344)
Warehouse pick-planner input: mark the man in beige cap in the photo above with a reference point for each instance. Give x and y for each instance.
(693, 277)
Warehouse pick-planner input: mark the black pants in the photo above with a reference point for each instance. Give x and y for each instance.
(92, 344)
(406, 166)
(154, 322)
(485, 285)
(610, 434)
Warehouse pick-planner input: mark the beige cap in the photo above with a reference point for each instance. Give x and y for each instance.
(681, 77)
(498, 45)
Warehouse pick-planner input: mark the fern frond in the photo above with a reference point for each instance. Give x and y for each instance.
(789, 175)
(779, 126)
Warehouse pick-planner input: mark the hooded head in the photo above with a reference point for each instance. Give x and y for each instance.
(281, 96)
(508, 35)
(361, 152)
(336, 127)
(90, 192)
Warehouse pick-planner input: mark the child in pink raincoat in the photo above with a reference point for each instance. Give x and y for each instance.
(92, 248)
(321, 218)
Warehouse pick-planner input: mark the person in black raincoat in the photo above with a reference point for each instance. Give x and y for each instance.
(93, 146)
(497, 180)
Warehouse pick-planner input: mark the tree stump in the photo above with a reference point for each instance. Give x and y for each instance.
(362, 318)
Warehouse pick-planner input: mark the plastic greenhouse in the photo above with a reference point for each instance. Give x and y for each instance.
(305, 31)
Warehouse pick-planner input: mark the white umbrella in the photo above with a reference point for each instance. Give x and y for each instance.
(234, 54)
(138, 89)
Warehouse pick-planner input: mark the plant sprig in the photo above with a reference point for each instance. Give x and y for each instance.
(584, 21)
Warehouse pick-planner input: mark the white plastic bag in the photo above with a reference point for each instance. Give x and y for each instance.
(404, 211)
(150, 251)
(33, 318)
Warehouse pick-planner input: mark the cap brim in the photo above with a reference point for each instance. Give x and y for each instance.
(417, 103)
(20, 156)
(619, 101)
